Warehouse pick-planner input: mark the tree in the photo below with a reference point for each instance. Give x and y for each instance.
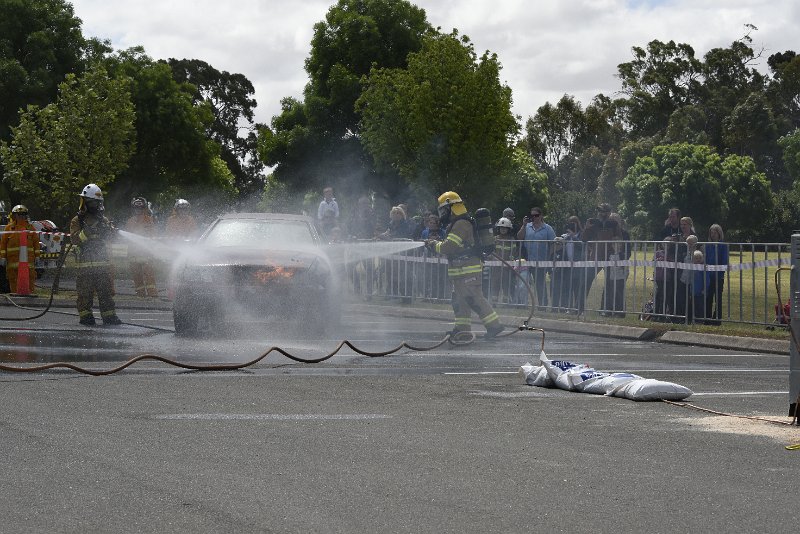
(791, 154)
(554, 136)
(86, 136)
(173, 150)
(728, 79)
(444, 123)
(658, 81)
(229, 97)
(747, 197)
(696, 179)
(40, 43)
(355, 36)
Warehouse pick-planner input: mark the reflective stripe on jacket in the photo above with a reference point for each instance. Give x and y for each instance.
(457, 246)
(9, 243)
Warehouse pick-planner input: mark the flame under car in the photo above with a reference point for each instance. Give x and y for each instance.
(256, 266)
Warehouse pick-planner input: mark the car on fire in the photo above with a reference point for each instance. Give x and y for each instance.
(254, 266)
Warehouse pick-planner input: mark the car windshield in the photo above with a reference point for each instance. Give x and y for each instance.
(259, 233)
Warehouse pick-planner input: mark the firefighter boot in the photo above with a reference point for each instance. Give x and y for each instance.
(112, 320)
(493, 331)
(87, 321)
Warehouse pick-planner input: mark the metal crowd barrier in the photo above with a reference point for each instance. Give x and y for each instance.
(650, 280)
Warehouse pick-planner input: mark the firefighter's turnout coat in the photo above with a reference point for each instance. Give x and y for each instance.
(9, 251)
(90, 234)
(465, 271)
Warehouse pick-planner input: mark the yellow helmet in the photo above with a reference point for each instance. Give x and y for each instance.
(452, 201)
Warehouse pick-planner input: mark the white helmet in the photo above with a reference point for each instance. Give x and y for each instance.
(92, 191)
(182, 203)
(504, 222)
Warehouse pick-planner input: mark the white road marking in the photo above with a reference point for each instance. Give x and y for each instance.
(270, 417)
(738, 393)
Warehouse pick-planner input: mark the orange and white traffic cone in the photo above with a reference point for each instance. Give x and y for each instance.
(23, 274)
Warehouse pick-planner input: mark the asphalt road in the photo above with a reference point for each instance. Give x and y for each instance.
(448, 440)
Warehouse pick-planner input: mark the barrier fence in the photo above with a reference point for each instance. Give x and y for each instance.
(651, 280)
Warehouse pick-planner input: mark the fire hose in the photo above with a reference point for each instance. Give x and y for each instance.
(231, 367)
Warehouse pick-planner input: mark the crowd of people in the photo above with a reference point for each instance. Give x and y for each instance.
(561, 267)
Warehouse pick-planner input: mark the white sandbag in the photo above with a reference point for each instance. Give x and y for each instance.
(607, 384)
(557, 370)
(648, 389)
(585, 381)
(535, 375)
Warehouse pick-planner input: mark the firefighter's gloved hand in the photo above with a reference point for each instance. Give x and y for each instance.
(430, 244)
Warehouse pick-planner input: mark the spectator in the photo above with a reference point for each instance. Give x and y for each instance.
(328, 211)
(616, 275)
(335, 235)
(433, 229)
(696, 307)
(538, 237)
(671, 225)
(660, 280)
(716, 253)
(687, 228)
(683, 296)
(362, 223)
(568, 294)
(399, 273)
(600, 234)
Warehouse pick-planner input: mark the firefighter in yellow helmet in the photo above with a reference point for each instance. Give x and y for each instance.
(91, 232)
(10, 247)
(142, 271)
(464, 267)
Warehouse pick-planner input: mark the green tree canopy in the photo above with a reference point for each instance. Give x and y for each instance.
(444, 123)
(230, 98)
(173, 149)
(86, 136)
(703, 185)
(40, 43)
(316, 142)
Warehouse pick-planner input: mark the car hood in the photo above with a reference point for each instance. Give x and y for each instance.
(221, 256)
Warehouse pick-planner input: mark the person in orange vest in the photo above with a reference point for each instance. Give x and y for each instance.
(90, 232)
(10, 247)
(141, 223)
(181, 224)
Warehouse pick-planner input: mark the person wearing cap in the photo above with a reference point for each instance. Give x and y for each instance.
(90, 233)
(141, 223)
(10, 248)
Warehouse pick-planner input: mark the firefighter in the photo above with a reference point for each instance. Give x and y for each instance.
(10, 248)
(464, 267)
(141, 223)
(181, 224)
(4, 287)
(503, 276)
(91, 232)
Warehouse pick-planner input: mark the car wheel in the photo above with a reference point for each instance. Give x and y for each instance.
(184, 318)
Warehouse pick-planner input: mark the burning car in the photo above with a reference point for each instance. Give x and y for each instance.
(254, 266)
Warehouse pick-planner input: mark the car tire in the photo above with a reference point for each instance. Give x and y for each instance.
(184, 319)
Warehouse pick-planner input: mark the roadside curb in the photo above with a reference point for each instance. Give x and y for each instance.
(725, 342)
